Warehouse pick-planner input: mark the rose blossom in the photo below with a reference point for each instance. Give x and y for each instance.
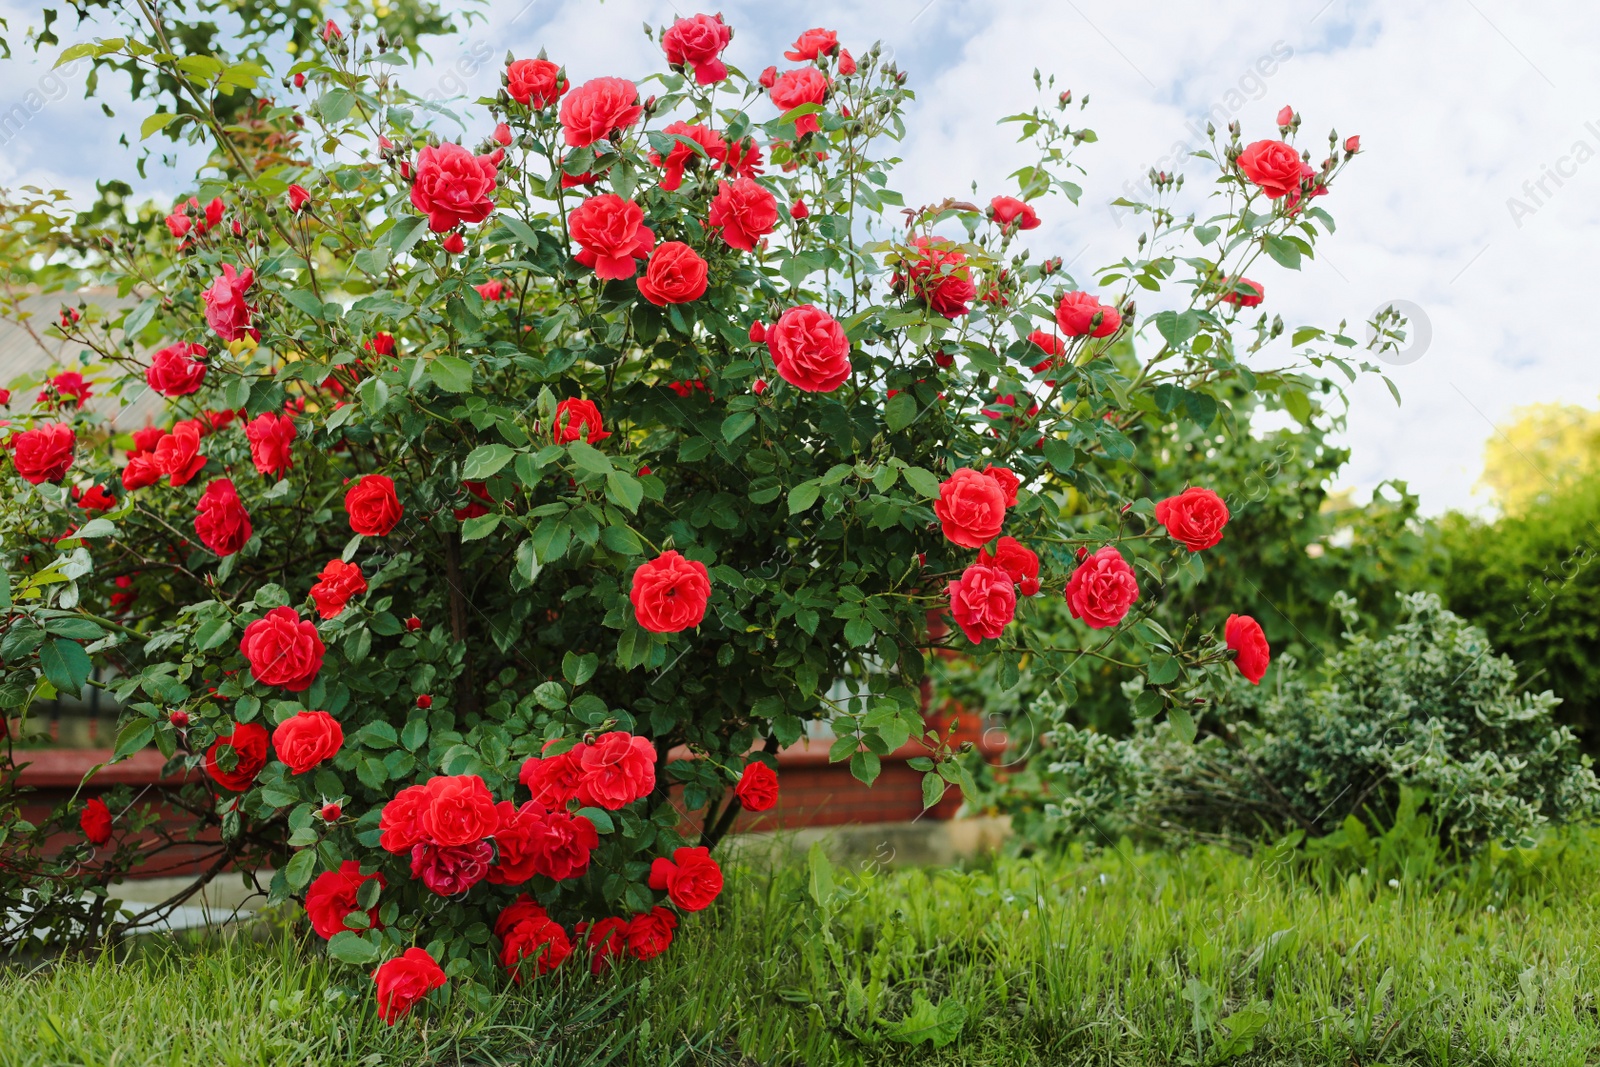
(452, 186)
(813, 43)
(283, 650)
(306, 738)
(618, 769)
(612, 234)
(1242, 292)
(339, 581)
(691, 878)
(459, 811)
(553, 780)
(578, 420)
(604, 938)
(220, 521)
(44, 453)
(597, 107)
(682, 155)
(530, 941)
(1194, 518)
(372, 505)
(675, 274)
(332, 896)
(178, 454)
(1017, 560)
(982, 601)
(698, 42)
(451, 869)
(1007, 480)
(248, 741)
(535, 83)
(401, 819)
(271, 436)
(971, 508)
(1008, 209)
(806, 85)
(1245, 637)
(1075, 316)
(758, 787)
(564, 845)
(940, 277)
(176, 370)
(1102, 589)
(1274, 166)
(670, 593)
(744, 212)
(649, 933)
(95, 822)
(227, 312)
(403, 981)
(810, 349)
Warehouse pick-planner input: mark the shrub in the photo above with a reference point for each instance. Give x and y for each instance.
(527, 495)
(1428, 711)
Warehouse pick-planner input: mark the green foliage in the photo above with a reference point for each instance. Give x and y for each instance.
(1429, 711)
(1533, 583)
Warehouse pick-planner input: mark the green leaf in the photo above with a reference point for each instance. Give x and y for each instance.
(1177, 327)
(590, 458)
(922, 481)
(819, 876)
(901, 411)
(737, 425)
(527, 561)
(96, 528)
(865, 766)
(479, 526)
(579, 669)
(803, 496)
(939, 1026)
(133, 737)
(933, 788)
(301, 866)
(65, 664)
(212, 634)
(624, 489)
(154, 123)
(1183, 727)
(347, 946)
(600, 817)
(482, 462)
(1163, 669)
(621, 540)
(1283, 250)
(451, 374)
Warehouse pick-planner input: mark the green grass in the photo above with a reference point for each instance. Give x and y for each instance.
(1153, 959)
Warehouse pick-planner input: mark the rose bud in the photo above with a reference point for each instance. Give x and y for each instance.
(799, 210)
(331, 812)
(179, 719)
(424, 702)
(413, 624)
(758, 331)
(454, 244)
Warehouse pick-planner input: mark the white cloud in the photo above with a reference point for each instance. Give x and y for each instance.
(1458, 102)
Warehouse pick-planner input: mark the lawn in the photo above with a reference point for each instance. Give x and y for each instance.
(1200, 957)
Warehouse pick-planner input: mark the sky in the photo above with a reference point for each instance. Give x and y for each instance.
(1472, 206)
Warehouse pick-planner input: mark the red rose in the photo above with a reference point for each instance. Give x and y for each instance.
(518, 839)
(971, 508)
(460, 810)
(612, 233)
(982, 601)
(178, 454)
(1051, 345)
(1102, 589)
(146, 439)
(769, 77)
(1076, 314)
(806, 85)
(1352, 144)
(298, 198)
(1243, 635)
(553, 780)
(675, 275)
(220, 520)
(669, 593)
(606, 938)
(478, 501)
(617, 769)
(578, 420)
(1194, 518)
(847, 62)
(1007, 480)
(283, 650)
(1274, 166)
(530, 941)
(494, 289)
(681, 155)
(535, 83)
(758, 787)
(305, 739)
(271, 436)
(455, 244)
(405, 980)
(227, 312)
(43, 453)
(1242, 292)
(451, 869)
(649, 933)
(96, 499)
(140, 471)
(330, 812)
(453, 186)
(381, 344)
(176, 370)
(564, 845)
(597, 107)
(332, 896)
(401, 819)
(809, 349)
(698, 42)
(744, 212)
(95, 822)
(939, 276)
(371, 503)
(1008, 209)
(248, 743)
(691, 878)
(1017, 560)
(339, 582)
(813, 43)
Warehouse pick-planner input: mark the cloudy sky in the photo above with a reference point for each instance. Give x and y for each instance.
(1473, 203)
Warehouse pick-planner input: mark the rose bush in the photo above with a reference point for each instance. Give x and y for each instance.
(513, 500)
